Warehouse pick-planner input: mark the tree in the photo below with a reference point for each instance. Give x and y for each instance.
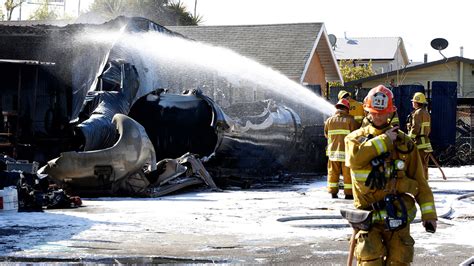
(164, 12)
(350, 72)
(109, 8)
(2, 16)
(10, 5)
(43, 13)
(184, 17)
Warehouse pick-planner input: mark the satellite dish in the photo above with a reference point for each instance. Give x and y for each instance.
(439, 44)
(332, 40)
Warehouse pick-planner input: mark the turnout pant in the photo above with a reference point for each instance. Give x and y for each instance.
(380, 247)
(424, 160)
(335, 169)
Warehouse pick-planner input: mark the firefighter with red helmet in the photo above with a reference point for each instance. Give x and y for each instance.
(388, 179)
(336, 129)
(419, 128)
(355, 107)
(393, 119)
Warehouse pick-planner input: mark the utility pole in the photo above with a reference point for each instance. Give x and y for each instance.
(20, 10)
(195, 4)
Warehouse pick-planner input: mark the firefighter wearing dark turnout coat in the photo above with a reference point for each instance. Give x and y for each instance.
(336, 129)
(388, 179)
(419, 128)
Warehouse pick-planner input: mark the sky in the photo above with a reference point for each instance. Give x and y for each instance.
(417, 22)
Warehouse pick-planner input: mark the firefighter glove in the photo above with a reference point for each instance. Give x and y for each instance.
(376, 178)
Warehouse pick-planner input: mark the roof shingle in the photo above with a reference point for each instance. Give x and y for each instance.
(272, 45)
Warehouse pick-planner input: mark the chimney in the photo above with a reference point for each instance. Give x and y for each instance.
(462, 51)
(425, 59)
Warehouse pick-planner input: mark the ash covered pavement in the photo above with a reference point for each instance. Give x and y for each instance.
(267, 225)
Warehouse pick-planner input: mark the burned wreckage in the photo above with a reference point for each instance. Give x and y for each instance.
(92, 116)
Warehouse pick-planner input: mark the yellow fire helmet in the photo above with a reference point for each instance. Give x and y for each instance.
(342, 93)
(419, 97)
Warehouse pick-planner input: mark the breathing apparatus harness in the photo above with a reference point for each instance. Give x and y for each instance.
(393, 221)
(396, 212)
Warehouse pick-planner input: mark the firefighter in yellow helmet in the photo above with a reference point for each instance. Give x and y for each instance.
(336, 129)
(388, 179)
(419, 127)
(356, 109)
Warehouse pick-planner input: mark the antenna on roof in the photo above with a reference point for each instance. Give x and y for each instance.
(439, 44)
(332, 40)
(350, 41)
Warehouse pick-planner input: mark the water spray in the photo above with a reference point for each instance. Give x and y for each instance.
(163, 54)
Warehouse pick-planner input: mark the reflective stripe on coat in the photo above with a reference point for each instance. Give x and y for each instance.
(336, 128)
(410, 180)
(419, 128)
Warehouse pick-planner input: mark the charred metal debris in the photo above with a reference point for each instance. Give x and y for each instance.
(86, 112)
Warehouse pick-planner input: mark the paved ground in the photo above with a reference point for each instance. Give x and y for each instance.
(206, 227)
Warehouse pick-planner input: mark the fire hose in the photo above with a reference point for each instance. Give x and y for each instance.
(433, 159)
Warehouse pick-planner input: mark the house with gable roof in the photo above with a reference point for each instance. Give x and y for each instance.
(453, 69)
(386, 53)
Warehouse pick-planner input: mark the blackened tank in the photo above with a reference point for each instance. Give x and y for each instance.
(244, 140)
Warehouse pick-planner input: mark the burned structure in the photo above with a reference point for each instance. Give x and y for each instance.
(91, 113)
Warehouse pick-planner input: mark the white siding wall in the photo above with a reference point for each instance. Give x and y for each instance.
(399, 62)
(378, 65)
(443, 72)
(468, 81)
(383, 66)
